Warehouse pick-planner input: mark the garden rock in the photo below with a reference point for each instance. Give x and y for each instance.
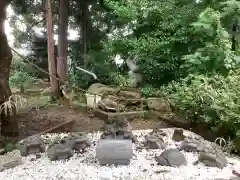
(120, 129)
(100, 89)
(171, 157)
(131, 95)
(31, 145)
(153, 142)
(109, 105)
(114, 152)
(158, 105)
(178, 135)
(8, 162)
(212, 160)
(79, 144)
(58, 151)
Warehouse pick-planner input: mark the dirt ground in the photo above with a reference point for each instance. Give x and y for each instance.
(37, 120)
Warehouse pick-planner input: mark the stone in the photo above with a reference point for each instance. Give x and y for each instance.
(114, 152)
(31, 145)
(153, 142)
(135, 96)
(60, 150)
(109, 105)
(171, 157)
(159, 105)
(2, 151)
(178, 135)
(79, 144)
(101, 89)
(9, 162)
(192, 146)
(212, 160)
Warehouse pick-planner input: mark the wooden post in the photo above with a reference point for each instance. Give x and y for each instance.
(51, 62)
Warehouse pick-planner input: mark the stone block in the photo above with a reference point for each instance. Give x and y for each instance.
(114, 152)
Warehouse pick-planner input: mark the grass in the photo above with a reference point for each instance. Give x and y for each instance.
(14, 102)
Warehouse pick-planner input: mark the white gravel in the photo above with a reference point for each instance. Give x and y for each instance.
(142, 167)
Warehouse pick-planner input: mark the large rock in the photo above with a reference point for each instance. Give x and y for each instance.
(171, 157)
(153, 142)
(212, 160)
(31, 145)
(158, 105)
(8, 162)
(60, 150)
(109, 105)
(117, 152)
(102, 89)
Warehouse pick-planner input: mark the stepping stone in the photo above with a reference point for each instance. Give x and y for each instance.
(59, 152)
(171, 157)
(8, 162)
(114, 152)
(31, 145)
(212, 160)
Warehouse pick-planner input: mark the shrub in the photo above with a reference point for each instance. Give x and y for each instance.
(214, 100)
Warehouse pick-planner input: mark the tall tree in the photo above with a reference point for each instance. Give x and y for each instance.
(51, 58)
(62, 66)
(9, 125)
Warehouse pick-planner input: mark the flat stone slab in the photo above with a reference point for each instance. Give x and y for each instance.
(8, 162)
(114, 152)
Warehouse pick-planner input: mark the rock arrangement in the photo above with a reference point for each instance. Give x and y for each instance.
(117, 145)
(110, 100)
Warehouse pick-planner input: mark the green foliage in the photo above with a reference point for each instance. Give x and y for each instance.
(21, 74)
(215, 56)
(214, 100)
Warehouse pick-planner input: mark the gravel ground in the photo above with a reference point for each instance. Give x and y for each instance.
(142, 167)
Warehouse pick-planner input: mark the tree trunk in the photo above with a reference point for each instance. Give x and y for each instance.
(62, 66)
(9, 124)
(51, 59)
(84, 28)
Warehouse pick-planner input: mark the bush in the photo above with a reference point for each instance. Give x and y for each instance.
(214, 100)
(20, 74)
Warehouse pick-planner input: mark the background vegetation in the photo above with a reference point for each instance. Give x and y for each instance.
(187, 52)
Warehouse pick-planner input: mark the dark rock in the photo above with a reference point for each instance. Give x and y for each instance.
(192, 146)
(171, 157)
(38, 156)
(60, 149)
(8, 162)
(109, 105)
(2, 151)
(117, 152)
(178, 135)
(212, 160)
(79, 144)
(31, 145)
(153, 142)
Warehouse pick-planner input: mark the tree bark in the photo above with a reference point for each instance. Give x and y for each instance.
(51, 59)
(234, 32)
(84, 28)
(9, 124)
(62, 66)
